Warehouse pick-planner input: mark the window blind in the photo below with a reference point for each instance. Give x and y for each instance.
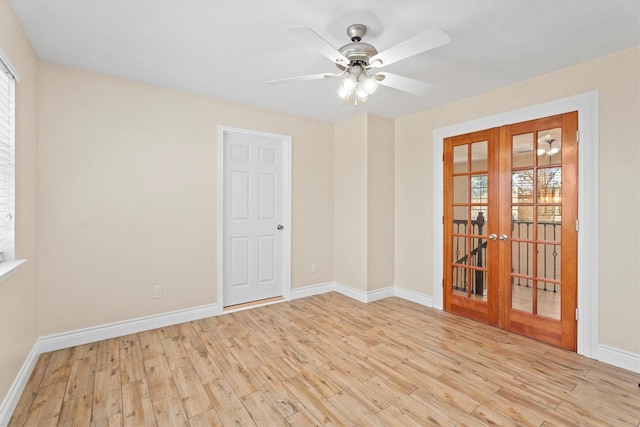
(7, 160)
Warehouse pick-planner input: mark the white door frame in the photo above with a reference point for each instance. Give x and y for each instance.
(285, 140)
(588, 201)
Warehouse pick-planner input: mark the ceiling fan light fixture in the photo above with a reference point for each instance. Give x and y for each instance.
(369, 83)
(361, 93)
(347, 86)
(554, 151)
(551, 151)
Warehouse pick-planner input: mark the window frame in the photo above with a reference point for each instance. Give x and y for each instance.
(9, 262)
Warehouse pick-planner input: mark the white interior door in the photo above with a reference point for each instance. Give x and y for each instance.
(254, 217)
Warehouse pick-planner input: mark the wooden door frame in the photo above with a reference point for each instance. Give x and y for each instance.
(588, 196)
(285, 141)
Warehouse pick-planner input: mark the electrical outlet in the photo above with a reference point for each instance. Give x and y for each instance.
(314, 268)
(157, 291)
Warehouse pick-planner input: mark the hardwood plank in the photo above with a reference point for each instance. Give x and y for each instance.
(59, 367)
(228, 406)
(204, 365)
(161, 383)
(86, 350)
(355, 410)
(280, 397)
(194, 395)
(170, 412)
(313, 400)
(303, 419)
(131, 362)
(404, 384)
(366, 394)
(206, 419)
(417, 410)
(518, 411)
(495, 418)
(317, 380)
(262, 411)
(107, 395)
(45, 410)
(394, 416)
(232, 370)
(76, 412)
(30, 390)
(137, 407)
(175, 353)
(112, 421)
(150, 344)
(240, 351)
(108, 354)
(81, 378)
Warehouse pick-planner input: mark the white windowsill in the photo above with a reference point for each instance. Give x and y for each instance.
(8, 268)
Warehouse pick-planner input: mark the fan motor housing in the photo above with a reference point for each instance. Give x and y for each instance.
(358, 51)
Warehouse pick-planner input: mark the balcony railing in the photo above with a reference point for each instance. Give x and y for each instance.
(475, 257)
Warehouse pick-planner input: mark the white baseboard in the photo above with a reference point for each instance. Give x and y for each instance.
(343, 289)
(620, 358)
(118, 329)
(10, 401)
(362, 296)
(308, 291)
(413, 296)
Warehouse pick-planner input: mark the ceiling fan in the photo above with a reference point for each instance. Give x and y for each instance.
(358, 61)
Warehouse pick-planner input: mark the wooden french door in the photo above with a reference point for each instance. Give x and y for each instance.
(510, 227)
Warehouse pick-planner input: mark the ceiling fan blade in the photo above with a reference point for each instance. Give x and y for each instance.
(418, 44)
(323, 46)
(405, 84)
(304, 78)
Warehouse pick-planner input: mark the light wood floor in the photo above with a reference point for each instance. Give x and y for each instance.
(326, 360)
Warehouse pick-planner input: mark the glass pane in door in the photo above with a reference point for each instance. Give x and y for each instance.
(549, 300)
(522, 150)
(549, 146)
(461, 158)
(536, 200)
(461, 189)
(479, 156)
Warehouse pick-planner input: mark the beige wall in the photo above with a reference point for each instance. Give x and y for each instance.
(19, 293)
(128, 181)
(364, 206)
(380, 202)
(617, 78)
(351, 202)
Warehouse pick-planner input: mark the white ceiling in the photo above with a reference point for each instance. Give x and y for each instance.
(229, 49)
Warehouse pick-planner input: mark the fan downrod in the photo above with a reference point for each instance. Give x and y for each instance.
(356, 32)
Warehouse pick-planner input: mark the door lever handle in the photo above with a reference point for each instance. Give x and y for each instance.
(503, 237)
(280, 227)
(493, 236)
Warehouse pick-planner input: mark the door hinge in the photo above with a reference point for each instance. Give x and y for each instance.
(443, 157)
(577, 314)
(443, 219)
(577, 225)
(577, 136)
(443, 283)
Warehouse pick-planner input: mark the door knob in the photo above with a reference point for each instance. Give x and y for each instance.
(503, 237)
(493, 236)
(280, 227)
